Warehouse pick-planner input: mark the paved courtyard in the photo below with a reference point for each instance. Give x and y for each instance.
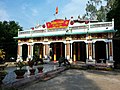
(79, 80)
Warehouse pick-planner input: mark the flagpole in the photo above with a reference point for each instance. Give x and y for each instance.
(55, 16)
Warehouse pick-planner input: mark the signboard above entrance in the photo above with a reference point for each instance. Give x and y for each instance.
(57, 23)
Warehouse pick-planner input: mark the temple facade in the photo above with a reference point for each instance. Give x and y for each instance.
(76, 40)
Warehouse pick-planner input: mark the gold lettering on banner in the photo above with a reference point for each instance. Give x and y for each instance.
(58, 23)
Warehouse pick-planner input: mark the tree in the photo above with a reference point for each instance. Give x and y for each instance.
(8, 30)
(95, 9)
(115, 13)
(91, 8)
(101, 13)
(110, 4)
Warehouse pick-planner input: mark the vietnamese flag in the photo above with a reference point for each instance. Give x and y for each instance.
(56, 10)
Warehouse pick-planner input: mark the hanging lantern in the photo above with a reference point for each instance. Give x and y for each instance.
(43, 25)
(72, 22)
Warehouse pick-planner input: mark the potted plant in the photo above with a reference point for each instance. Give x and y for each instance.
(20, 71)
(32, 70)
(3, 73)
(40, 69)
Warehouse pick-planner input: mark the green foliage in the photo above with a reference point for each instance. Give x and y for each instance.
(92, 8)
(115, 13)
(2, 54)
(20, 64)
(101, 13)
(31, 63)
(95, 9)
(8, 30)
(3, 72)
(110, 4)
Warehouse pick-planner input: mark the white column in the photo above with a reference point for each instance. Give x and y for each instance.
(32, 50)
(111, 50)
(93, 50)
(21, 51)
(46, 48)
(71, 50)
(90, 50)
(87, 50)
(65, 50)
(107, 51)
(113, 23)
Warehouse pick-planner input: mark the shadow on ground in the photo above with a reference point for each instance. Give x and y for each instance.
(68, 80)
(102, 72)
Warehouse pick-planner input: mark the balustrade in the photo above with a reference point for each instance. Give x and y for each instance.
(82, 27)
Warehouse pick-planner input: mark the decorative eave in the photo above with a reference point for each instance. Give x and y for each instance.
(65, 33)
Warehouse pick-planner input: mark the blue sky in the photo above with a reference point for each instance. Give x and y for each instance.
(28, 13)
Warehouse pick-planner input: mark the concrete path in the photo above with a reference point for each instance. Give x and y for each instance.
(79, 80)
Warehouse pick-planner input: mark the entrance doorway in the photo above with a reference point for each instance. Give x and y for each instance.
(24, 52)
(79, 51)
(38, 50)
(100, 51)
(57, 50)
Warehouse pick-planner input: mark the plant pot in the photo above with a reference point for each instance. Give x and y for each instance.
(40, 69)
(32, 71)
(20, 73)
(31, 63)
(2, 76)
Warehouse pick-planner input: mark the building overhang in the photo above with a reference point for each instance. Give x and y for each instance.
(64, 34)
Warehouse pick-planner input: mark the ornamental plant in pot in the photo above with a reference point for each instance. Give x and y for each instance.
(31, 64)
(3, 73)
(40, 69)
(20, 71)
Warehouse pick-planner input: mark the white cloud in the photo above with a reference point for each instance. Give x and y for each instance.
(30, 13)
(34, 11)
(27, 8)
(73, 8)
(24, 6)
(3, 12)
(51, 1)
(3, 15)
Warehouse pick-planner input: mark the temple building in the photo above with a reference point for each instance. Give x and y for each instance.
(76, 40)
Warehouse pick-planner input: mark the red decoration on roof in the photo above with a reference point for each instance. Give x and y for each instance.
(32, 28)
(71, 17)
(72, 22)
(86, 22)
(43, 25)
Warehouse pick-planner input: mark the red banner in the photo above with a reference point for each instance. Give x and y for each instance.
(58, 23)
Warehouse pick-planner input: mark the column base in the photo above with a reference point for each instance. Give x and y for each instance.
(55, 61)
(90, 61)
(74, 58)
(19, 58)
(70, 60)
(111, 58)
